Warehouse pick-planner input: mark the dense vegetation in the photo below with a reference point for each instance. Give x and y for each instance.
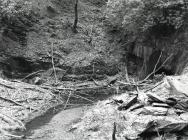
(139, 16)
(13, 8)
(134, 16)
(15, 13)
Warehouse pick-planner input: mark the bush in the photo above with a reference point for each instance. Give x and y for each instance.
(139, 16)
(98, 2)
(12, 10)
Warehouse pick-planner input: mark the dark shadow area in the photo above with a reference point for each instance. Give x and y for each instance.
(19, 67)
(164, 71)
(162, 30)
(155, 63)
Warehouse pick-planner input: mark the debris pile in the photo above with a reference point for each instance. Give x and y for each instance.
(20, 103)
(158, 112)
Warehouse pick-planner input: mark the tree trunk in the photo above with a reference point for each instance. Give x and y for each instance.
(76, 17)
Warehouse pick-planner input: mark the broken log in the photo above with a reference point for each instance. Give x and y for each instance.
(155, 111)
(160, 105)
(128, 104)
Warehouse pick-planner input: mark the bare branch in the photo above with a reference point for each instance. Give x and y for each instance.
(52, 49)
(154, 71)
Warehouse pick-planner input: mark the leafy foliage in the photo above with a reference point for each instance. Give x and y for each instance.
(11, 8)
(138, 16)
(98, 2)
(12, 11)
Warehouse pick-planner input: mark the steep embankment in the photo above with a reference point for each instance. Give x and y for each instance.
(27, 44)
(30, 40)
(152, 32)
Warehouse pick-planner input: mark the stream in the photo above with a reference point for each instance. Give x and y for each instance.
(54, 124)
(54, 127)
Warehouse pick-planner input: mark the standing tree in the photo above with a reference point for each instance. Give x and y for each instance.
(76, 17)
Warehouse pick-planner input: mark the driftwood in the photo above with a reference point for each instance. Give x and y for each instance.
(160, 105)
(154, 98)
(27, 94)
(128, 104)
(81, 97)
(16, 103)
(12, 121)
(138, 106)
(67, 100)
(13, 125)
(7, 86)
(53, 65)
(31, 74)
(74, 89)
(6, 134)
(58, 90)
(132, 84)
(84, 77)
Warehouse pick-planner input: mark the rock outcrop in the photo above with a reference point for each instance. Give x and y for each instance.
(157, 113)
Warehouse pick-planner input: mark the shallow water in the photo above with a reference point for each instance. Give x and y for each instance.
(54, 127)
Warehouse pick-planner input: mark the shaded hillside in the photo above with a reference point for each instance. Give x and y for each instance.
(122, 50)
(49, 27)
(151, 28)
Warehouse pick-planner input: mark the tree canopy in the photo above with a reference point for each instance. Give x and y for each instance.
(10, 8)
(138, 16)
